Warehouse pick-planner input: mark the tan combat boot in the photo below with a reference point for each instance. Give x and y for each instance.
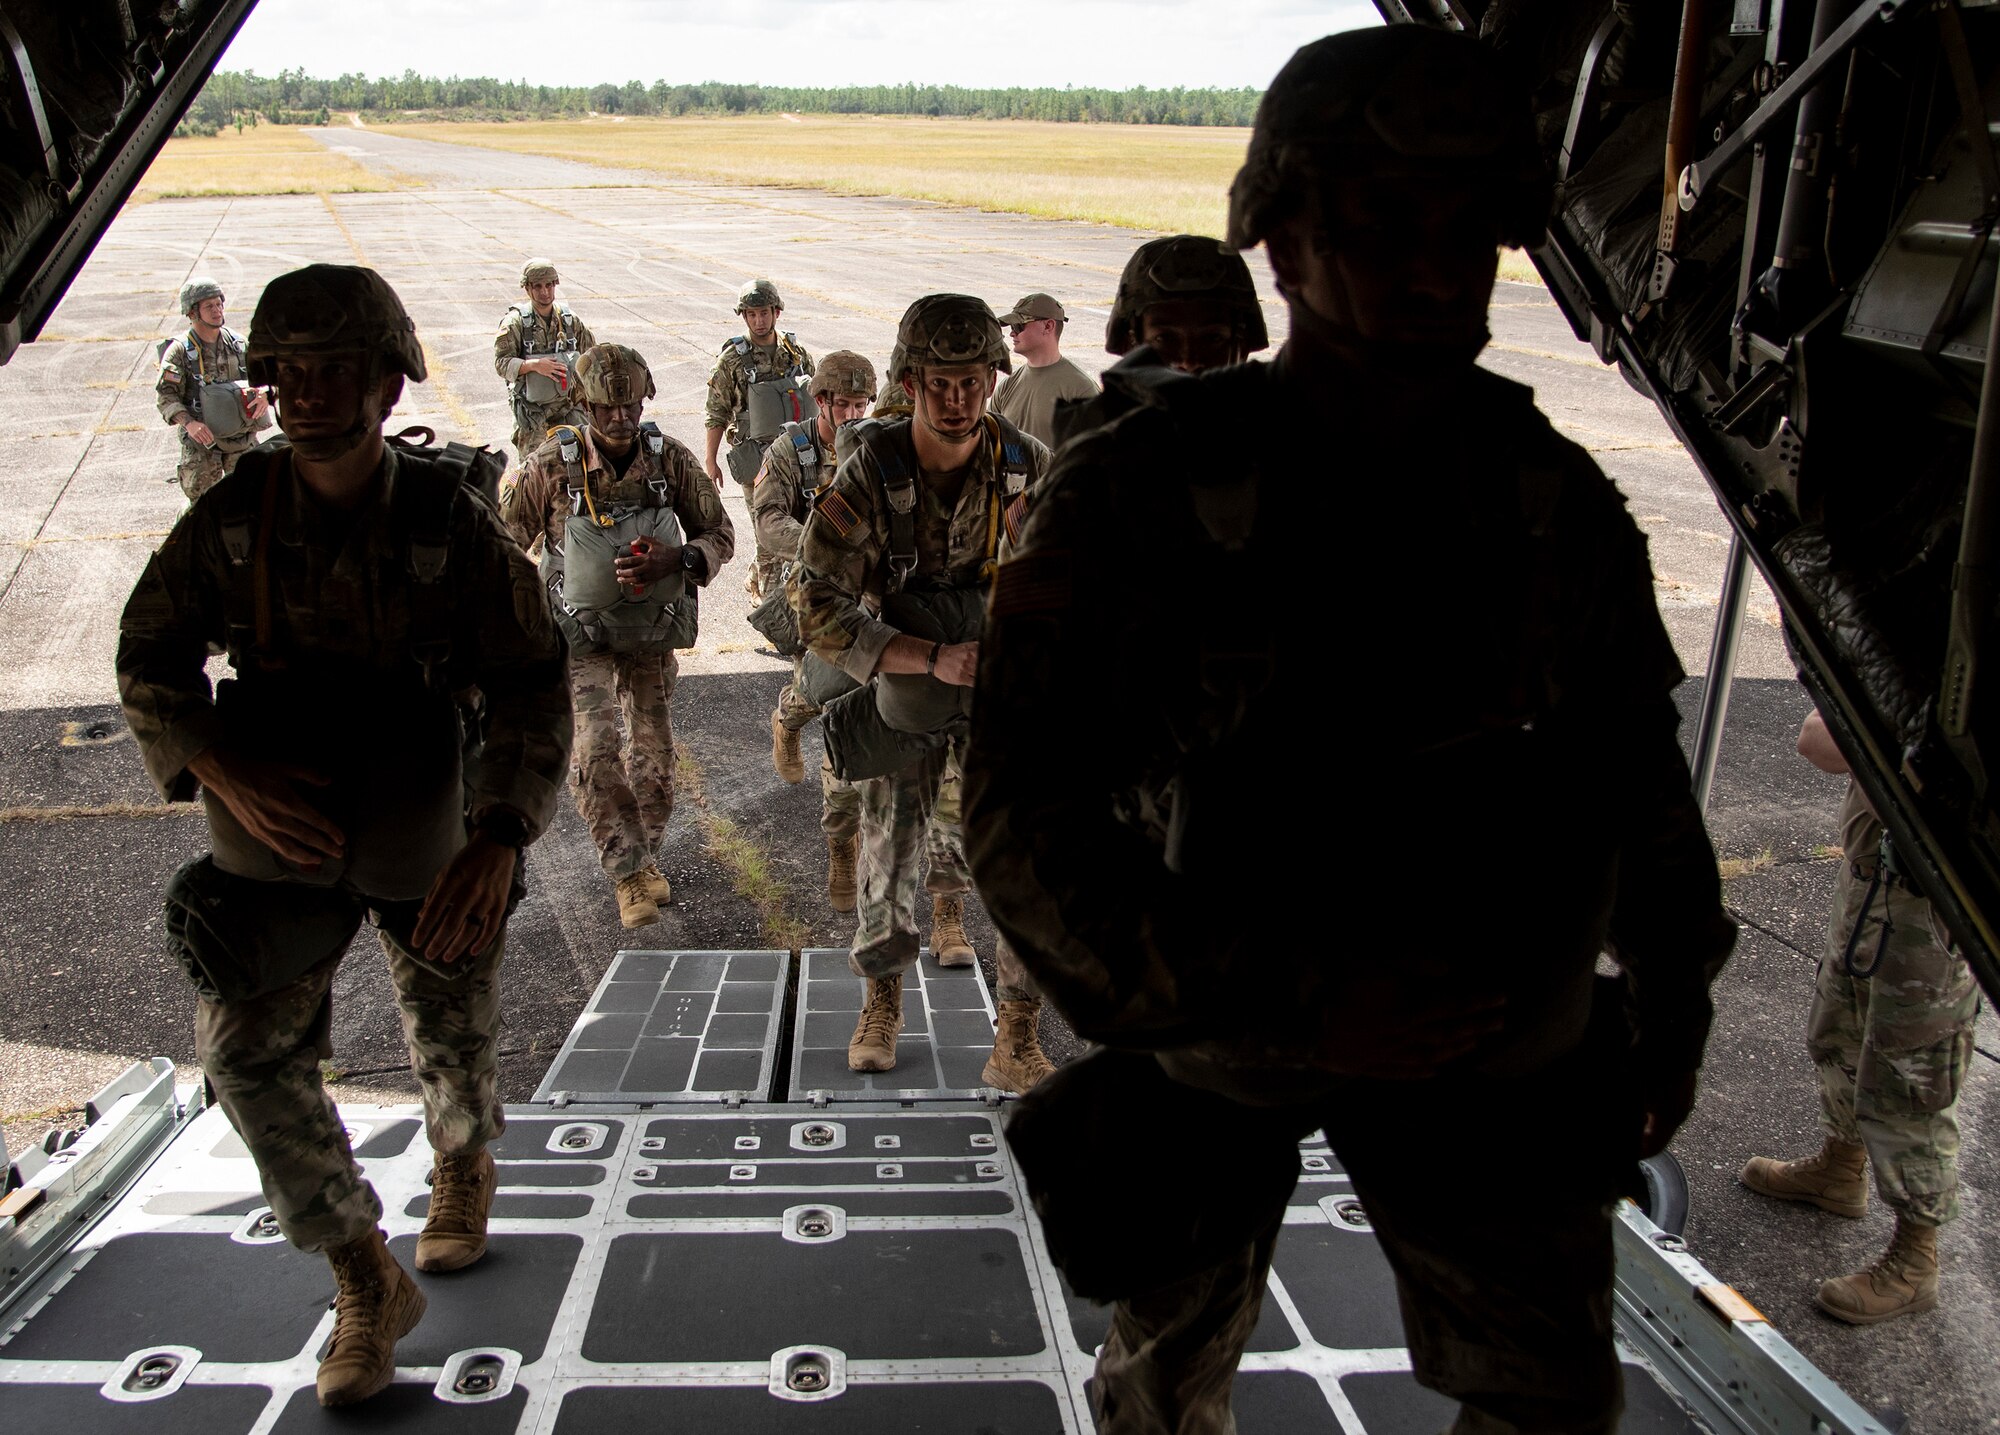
(636, 907)
(785, 755)
(1902, 1281)
(874, 1045)
(1018, 1062)
(657, 887)
(454, 1236)
(1835, 1179)
(840, 879)
(377, 1304)
(949, 944)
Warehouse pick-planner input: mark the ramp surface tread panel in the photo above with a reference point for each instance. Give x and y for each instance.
(697, 1256)
(697, 1027)
(946, 1040)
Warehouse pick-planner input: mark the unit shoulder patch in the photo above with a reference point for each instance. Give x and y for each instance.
(1036, 583)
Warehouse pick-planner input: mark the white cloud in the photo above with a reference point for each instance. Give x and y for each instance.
(1116, 43)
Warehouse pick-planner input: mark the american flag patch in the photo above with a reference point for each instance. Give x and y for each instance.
(1017, 515)
(1038, 583)
(842, 517)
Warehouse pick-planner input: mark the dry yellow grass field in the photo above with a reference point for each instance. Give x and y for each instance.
(263, 159)
(1137, 176)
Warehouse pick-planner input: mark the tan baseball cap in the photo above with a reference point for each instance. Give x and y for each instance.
(1032, 307)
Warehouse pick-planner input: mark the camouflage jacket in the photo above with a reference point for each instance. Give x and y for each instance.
(729, 381)
(342, 622)
(1465, 650)
(538, 504)
(844, 569)
(185, 364)
(542, 337)
(779, 502)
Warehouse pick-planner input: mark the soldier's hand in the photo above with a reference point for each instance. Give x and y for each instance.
(958, 664)
(201, 433)
(467, 903)
(646, 564)
(265, 798)
(1380, 1031)
(551, 367)
(714, 472)
(1668, 1102)
(255, 405)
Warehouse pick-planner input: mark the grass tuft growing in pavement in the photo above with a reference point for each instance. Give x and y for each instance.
(263, 159)
(749, 866)
(1734, 867)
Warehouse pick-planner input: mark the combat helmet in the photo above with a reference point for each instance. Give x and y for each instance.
(1184, 266)
(844, 374)
(539, 271)
(1394, 101)
(198, 290)
(613, 374)
(331, 309)
(948, 329)
(758, 294)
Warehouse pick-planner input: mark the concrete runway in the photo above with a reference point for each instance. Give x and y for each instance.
(84, 988)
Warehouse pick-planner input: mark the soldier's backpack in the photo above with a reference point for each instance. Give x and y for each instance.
(773, 617)
(593, 610)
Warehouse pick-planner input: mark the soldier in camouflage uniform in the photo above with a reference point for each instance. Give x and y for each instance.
(798, 463)
(758, 384)
(362, 591)
(534, 353)
(1129, 852)
(914, 513)
(207, 354)
(622, 462)
(1891, 1031)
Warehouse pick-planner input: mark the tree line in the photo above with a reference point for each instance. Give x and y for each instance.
(234, 97)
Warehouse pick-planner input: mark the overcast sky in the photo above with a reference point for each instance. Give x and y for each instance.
(1115, 43)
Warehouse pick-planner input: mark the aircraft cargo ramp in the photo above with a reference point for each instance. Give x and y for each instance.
(703, 1224)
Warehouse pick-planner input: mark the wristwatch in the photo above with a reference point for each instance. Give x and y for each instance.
(504, 826)
(693, 562)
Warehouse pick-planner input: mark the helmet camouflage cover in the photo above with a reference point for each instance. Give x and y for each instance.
(539, 271)
(758, 294)
(613, 374)
(948, 329)
(331, 309)
(844, 374)
(198, 290)
(1398, 101)
(1184, 267)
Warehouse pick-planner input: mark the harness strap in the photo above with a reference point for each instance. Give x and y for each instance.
(900, 485)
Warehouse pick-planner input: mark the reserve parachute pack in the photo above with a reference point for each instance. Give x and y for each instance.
(772, 399)
(539, 390)
(218, 403)
(596, 613)
(898, 717)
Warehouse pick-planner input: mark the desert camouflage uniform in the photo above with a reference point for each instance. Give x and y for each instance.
(262, 1054)
(562, 327)
(837, 589)
(185, 364)
(624, 788)
(1892, 1047)
(778, 509)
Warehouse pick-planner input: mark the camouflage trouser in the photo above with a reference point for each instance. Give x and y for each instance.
(624, 786)
(201, 469)
(1515, 1326)
(1892, 1048)
(840, 800)
(918, 802)
(262, 1057)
